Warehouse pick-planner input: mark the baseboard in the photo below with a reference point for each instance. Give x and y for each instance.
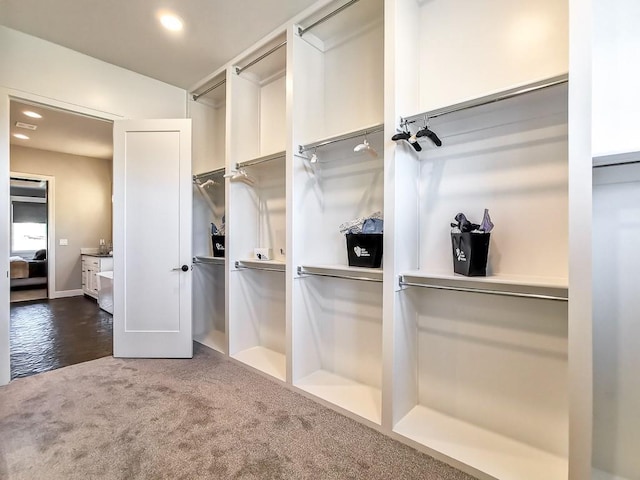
(67, 293)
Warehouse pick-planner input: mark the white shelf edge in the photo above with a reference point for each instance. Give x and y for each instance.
(369, 130)
(493, 97)
(620, 158)
(342, 271)
(264, 360)
(262, 159)
(355, 397)
(481, 449)
(255, 264)
(536, 287)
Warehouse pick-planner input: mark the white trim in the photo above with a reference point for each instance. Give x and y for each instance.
(51, 225)
(66, 293)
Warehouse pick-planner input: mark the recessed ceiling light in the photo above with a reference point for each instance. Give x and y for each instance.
(171, 22)
(31, 114)
(21, 136)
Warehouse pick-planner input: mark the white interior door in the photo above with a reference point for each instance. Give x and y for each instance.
(152, 238)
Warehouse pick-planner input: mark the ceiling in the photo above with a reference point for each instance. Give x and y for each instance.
(127, 33)
(60, 131)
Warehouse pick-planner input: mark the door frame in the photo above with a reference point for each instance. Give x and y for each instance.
(51, 225)
(6, 95)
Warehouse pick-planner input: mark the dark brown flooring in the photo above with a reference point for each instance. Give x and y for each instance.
(50, 334)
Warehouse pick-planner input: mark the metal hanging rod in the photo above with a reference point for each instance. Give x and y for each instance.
(496, 97)
(630, 162)
(484, 291)
(239, 70)
(259, 160)
(196, 96)
(302, 31)
(213, 173)
(241, 266)
(340, 138)
(302, 271)
(208, 261)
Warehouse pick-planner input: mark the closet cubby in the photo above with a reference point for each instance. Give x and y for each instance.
(483, 361)
(616, 393)
(338, 70)
(337, 308)
(257, 209)
(207, 109)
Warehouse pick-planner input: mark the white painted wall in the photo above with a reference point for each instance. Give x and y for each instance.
(40, 71)
(616, 76)
(469, 49)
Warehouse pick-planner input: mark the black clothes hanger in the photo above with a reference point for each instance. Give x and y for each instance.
(431, 135)
(406, 135)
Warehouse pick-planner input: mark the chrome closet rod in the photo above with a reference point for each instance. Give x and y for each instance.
(302, 271)
(202, 262)
(239, 70)
(302, 31)
(196, 96)
(212, 173)
(340, 138)
(240, 266)
(629, 162)
(515, 92)
(258, 161)
(484, 291)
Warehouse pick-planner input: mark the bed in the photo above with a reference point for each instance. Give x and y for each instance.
(24, 272)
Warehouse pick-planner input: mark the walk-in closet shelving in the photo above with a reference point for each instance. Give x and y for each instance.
(480, 365)
(337, 309)
(616, 229)
(486, 358)
(207, 109)
(257, 209)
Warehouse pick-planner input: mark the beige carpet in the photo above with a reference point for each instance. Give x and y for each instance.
(187, 419)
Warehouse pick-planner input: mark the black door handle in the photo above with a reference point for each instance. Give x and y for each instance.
(185, 268)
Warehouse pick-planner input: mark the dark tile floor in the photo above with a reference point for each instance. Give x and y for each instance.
(50, 334)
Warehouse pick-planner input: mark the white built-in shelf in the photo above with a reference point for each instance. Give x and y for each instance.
(209, 260)
(544, 288)
(323, 142)
(342, 271)
(268, 265)
(263, 159)
(363, 400)
(622, 158)
(494, 454)
(492, 98)
(267, 361)
(214, 339)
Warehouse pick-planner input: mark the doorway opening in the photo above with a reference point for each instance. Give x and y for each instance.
(28, 231)
(61, 167)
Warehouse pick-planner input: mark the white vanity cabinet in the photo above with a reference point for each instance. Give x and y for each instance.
(91, 266)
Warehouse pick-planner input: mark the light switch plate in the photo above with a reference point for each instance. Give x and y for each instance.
(64, 241)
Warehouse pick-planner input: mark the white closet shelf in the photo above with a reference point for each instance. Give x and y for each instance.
(621, 158)
(379, 127)
(358, 398)
(263, 159)
(269, 265)
(342, 271)
(487, 451)
(543, 288)
(214, 339)
(491, 98)
(210, 260)
(265, 360)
